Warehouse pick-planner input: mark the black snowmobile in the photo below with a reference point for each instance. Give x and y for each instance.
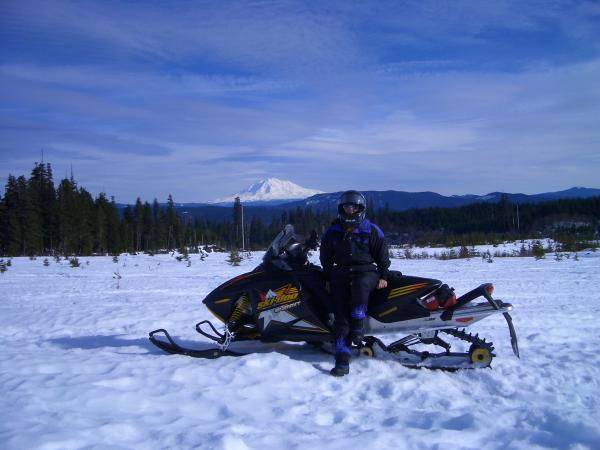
(285, 299)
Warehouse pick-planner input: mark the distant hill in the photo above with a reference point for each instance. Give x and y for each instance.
(402, 201)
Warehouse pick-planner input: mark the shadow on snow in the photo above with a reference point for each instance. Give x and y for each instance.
(298, 351)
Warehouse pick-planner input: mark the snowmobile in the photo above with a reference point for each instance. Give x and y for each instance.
(286, 298)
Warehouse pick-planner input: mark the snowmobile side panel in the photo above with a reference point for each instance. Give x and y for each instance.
(222, 301)
(399, 300)
(293, 312)
(434, 321)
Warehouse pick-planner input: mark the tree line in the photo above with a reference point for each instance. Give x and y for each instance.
(39, 218)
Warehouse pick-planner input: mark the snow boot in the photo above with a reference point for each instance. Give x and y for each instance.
(342, 358)
(342, 366)
(357, 329)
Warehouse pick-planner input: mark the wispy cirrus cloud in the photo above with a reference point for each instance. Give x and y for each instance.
(169, 97)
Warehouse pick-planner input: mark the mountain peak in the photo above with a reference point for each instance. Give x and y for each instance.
(270, 189)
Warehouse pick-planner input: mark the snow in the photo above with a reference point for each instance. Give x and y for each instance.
(507, 248)
(270, 189)
(77, 370)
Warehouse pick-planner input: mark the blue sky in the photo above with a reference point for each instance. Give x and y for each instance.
(202, 98)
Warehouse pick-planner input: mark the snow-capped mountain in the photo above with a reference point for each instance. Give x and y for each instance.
(269, 190)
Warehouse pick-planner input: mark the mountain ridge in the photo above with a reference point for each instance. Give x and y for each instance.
(395, 201)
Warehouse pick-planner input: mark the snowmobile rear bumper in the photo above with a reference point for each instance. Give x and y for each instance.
(483, 291)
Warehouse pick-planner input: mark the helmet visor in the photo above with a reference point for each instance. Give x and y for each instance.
(351, 208)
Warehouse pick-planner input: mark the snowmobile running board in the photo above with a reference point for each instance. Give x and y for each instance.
(173, 348)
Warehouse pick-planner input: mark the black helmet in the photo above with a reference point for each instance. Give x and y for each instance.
(352, 218)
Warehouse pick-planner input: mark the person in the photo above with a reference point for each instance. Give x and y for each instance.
(355, 260)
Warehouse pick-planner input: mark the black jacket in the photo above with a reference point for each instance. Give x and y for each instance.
(357, 250)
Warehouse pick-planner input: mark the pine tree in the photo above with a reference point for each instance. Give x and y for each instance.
(101, 224)
(33, 238)
(3, 218)
(234, 257)
(49, 219)
(114, 240)
(172, 225)
(537, 250)
(157, 226)
(126, 228)
(148, 243)
(237, 223)
(138, 224)
(67, 216)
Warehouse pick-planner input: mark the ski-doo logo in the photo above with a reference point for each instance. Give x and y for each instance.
(281, 296)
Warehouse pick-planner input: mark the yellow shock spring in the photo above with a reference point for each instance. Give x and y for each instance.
(240, 306)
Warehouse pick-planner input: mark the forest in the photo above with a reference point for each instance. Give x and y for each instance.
(38, 217)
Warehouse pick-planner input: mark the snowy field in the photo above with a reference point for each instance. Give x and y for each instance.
(77, 370)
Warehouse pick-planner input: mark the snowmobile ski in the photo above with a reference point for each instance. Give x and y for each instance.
(170, 346)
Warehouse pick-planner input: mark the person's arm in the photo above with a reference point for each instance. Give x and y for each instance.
(380, 253)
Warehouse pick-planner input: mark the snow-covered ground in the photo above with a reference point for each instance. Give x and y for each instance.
(505, 249)
(77, 370)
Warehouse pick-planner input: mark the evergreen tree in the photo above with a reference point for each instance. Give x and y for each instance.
(113, 236)
(172, 225)
(33, 238)
(148, 243)
(3, 217)
(138, 224)
(67, 216)
(12, 231)
(234, 257)
(237, 223)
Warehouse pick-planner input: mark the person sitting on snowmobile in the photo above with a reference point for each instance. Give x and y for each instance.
(355, 260)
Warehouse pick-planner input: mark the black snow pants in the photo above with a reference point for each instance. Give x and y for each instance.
(349, 292)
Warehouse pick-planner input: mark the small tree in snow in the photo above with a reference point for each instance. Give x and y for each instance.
(118, 277)
(234, 257)
(537, 250)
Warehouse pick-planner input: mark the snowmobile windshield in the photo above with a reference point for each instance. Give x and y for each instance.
(279, 243)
